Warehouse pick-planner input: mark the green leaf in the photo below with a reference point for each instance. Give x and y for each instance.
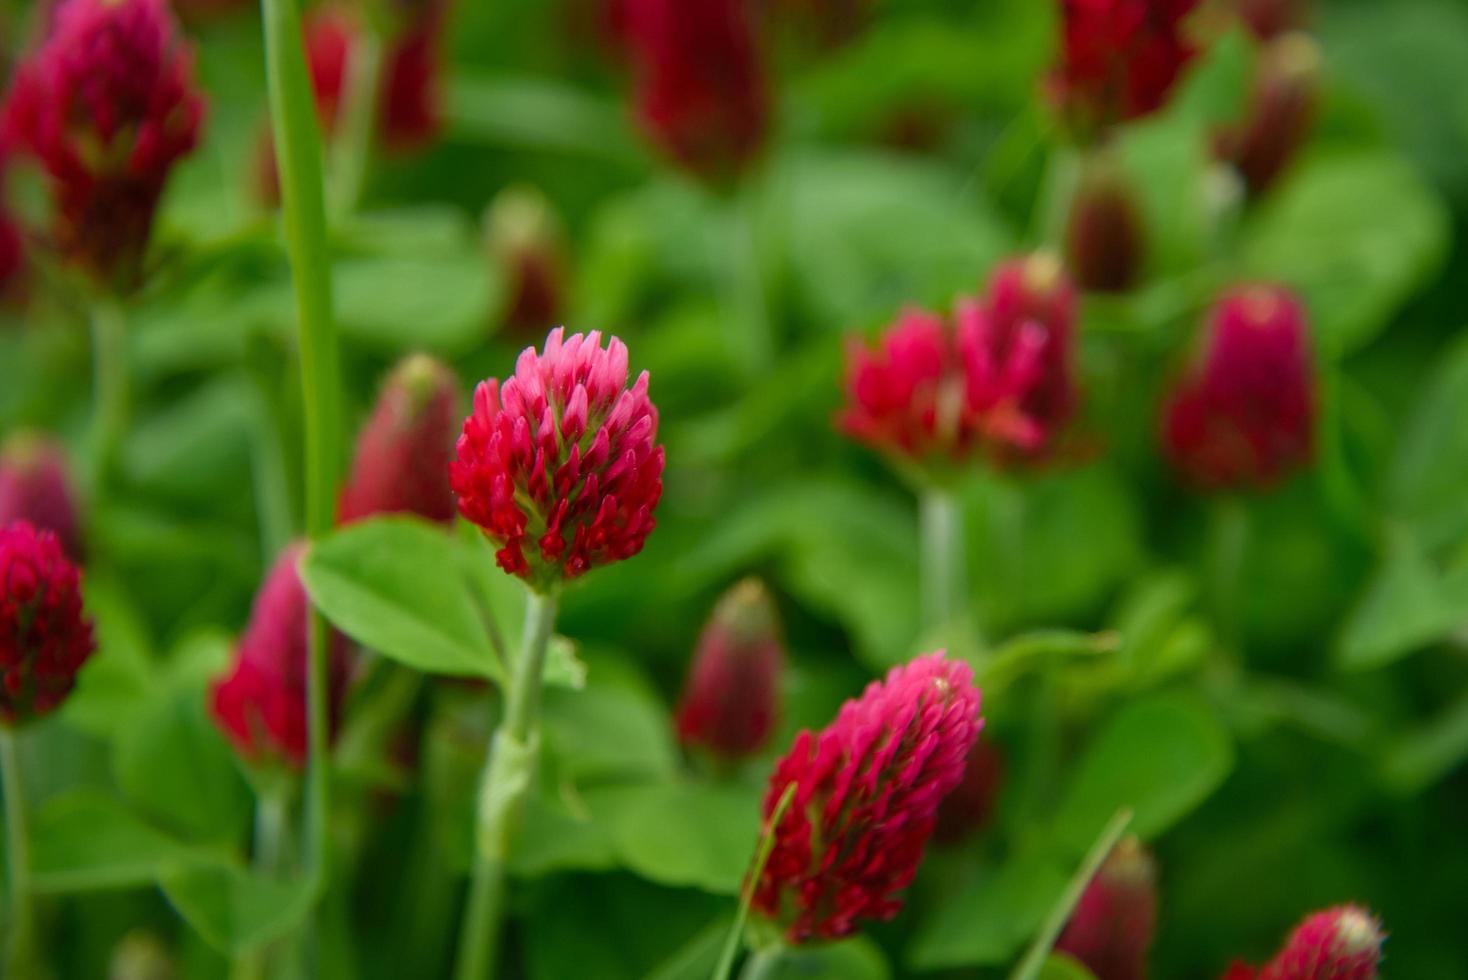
(397, 585)
(234, 910)
(988, 920)
(1159, 756)
(1409, 605)
(1425, 484)
(540, 114)
(1059, 966)
(1356, 234)
(86, 840)
(608, 732)
(440, 304)
(119, 677)
(698, 958)
(1428, 753)
(857, 958)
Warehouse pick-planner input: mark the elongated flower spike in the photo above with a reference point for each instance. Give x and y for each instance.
(701, 95)
(1340, 943)
(730, 703)
(404, 450)
(867, 793)
(44, 637)
(36, 486)
(107, 105)
(558, 464)
(1280, 113)
(1244, 416)
(1119, 60)
(1113, 924)
(260, 705)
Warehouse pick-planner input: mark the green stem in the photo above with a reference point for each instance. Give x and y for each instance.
(504, 786)
(272, 480)
(270, 853)
(17, 856)
(298, 159)
(762, 963)
(747, 279)
(1029, 967)
(756, 870)
(109, 385)
(942, 556)
(1228, 546)
(352, 148)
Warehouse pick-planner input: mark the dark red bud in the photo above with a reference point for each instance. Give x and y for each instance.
(1105, 238)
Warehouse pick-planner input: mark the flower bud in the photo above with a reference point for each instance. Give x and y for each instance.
(1341, 943)
(731, 701)
(44, 637)
(1281, 111)
(527, 244)
(107, 104)
(141, 956)
(967, 810)
(1119, 59)
(701, 92)
(1105, 238)
(1244, 416)
(866, 800)
(260, 705)
(559, 463)
(1112, 926)
(35, 486)
(404, 450)
(410, 114)
(1268, 19)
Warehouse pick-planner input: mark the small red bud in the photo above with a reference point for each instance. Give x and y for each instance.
(1280, 114)
(44, 637)
(1112, 927)
(403, 452)
(1105, 238)
(1341, 943)
(730, 703)
(528, 245)
(35, 486)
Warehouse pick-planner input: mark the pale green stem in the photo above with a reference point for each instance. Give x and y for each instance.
(508, 772)
(17, 857)
(351, 152)
(762, 963)
(942, 556)
(272, 484)
(109, 386)
(270, 853)
(747, 279)
(751, 882)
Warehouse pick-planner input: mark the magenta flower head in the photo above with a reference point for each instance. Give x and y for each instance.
(260, 705)
(968, 809)
(1119, 59)
(1341, 943)
(1112, 926)
(1280, 113)
(44, 637)
(527, 245)
(404, 450)
(1105, 237)
(559, 463)
(107, 105)
(1244, 416)
(867, 797)
(36, 487)
(701, 93)
(731, 701)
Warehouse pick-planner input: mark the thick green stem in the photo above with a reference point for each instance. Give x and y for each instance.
(17, 857)
(109, 386)
(506, 781)
(762, 963)
(352, 149)
(298, 159)
(942, 556)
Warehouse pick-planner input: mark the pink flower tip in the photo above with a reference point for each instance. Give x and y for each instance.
(731, 700)
(868, 788)
(559, 463)
(44, 637)
(1340, 943)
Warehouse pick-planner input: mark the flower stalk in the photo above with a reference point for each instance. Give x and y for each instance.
(109, 384)
(505, 783)
(17, 856)
(942, 555)
(352, 148)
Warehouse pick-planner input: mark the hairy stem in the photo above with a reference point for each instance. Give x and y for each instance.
(942, 556)
(17, 857)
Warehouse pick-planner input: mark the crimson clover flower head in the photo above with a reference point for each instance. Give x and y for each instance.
(1340, 943)
(1112, 926)
(731, 701)
(404, 450)
(1280, 113)
(44, 636)
(1105, 236)
(1244, 416)
(867, 793)
(260, 705)
(36, 487)
(559, 463)
(107, 104)
(701, 94)
(526, 242)
(1119, 59)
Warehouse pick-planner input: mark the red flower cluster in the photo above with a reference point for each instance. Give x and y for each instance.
(1119, 59)
(1113, 924)
(260, 705)
(107, 104)
(35, 486)
(527, 245)
(1244, 417)
(404, 450)
(1280, 113)
(1341, 943)
(559, 464)
(44, 638)
(1000, 382)
(701, 92)
(867, 796)
(731, 701)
